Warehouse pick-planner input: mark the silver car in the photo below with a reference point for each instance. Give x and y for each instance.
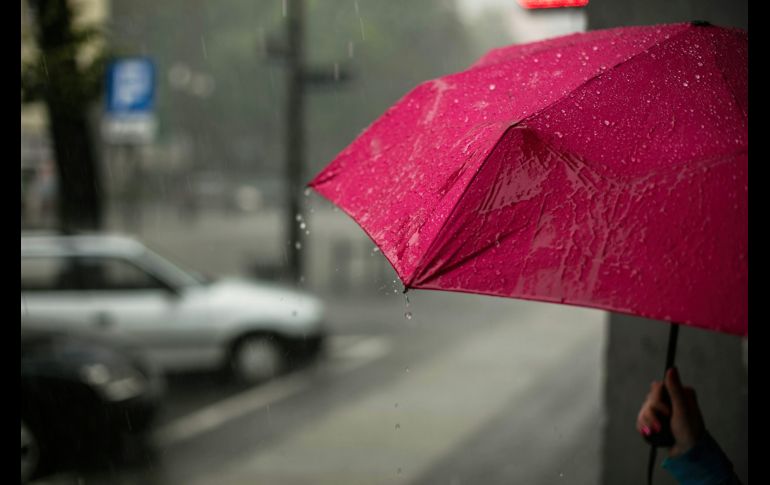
(116, 285)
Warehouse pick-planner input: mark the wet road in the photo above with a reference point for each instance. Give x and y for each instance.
(469, 390)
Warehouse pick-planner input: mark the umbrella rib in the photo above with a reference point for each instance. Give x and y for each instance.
(738, 105)
(599, 75)
(420, 268)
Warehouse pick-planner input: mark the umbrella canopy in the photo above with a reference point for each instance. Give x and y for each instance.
(606, 169)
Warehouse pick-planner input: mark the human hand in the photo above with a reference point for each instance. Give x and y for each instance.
(682, 408)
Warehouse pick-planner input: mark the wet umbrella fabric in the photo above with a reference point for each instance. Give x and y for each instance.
(606, 169)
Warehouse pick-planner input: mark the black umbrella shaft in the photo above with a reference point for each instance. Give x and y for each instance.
(673, 336)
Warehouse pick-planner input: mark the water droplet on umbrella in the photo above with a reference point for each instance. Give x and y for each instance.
(606, 122)
(298, 245)
(407, 369)
(492, 87)
(685, 84)
(408, 315)
(298, 217)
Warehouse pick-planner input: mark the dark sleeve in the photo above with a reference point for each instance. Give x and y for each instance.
(703, 464)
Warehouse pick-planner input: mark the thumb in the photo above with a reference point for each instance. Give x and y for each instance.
(674, 387)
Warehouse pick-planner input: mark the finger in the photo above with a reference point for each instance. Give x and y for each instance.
(647, 423)
(656, 390)
(674, 387)
(661, 408)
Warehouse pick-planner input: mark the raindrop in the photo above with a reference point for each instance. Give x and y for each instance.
(298, 217)
(685, 84)
(606, 122)
(492, 87)
(376, 249)
(398, 426)
(697, 76)
(558, 134)
(407, 369)
(298, 245)
(595, 48)
(408, 315)
(307, 191)
(302, 225)
(558, 55)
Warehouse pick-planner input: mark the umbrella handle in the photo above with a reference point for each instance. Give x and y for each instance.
(663, 438)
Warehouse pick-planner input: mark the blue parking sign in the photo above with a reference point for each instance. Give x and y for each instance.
(130, 86)
(129, 101)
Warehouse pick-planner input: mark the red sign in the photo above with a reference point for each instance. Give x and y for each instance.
(552, 3)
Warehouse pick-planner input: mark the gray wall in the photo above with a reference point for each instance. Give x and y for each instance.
(715, 365)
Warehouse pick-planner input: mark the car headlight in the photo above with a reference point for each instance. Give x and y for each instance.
(114, 383)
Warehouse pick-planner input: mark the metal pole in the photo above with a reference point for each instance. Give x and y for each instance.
(294, 135)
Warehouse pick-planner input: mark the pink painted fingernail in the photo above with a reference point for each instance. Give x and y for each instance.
(646, 430)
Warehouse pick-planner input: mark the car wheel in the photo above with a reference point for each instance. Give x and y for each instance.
(257, 358)
(30, 453)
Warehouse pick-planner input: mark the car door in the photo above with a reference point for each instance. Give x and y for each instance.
(52, 294)
(127, 302)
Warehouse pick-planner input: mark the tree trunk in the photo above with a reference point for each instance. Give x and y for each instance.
(80, 189)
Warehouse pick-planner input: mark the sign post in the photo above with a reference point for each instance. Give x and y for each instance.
(129, 121)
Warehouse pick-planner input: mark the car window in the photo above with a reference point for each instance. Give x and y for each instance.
(48, 274)
(115, 274)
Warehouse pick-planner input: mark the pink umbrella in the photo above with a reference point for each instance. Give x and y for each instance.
(605, 169)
